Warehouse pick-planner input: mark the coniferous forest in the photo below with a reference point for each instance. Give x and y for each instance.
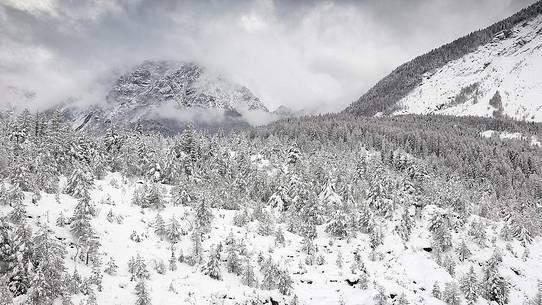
(270, 210)
(205, 152)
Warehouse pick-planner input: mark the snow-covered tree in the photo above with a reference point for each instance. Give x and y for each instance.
(142, 293)
(435, 292)
(451, 295)
(270, 275)
(233, 263)
(463, 252)
(138, 268)
(159, 226)
(203, 217)
(212, 268)
(284, 283)
(80, 182)
(111, 267)
(48, 274)
(380, 298)
(249, 277)
(469, 286)
(173, 230)
(172, 261)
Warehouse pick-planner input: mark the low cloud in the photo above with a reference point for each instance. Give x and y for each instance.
(302, 54)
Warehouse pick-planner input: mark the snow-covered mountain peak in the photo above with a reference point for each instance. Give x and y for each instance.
(497, 79)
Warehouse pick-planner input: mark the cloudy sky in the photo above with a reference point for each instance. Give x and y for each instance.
(301, 54)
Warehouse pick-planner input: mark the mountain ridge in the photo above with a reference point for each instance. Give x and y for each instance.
(385, 94)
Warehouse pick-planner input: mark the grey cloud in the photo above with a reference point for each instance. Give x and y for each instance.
(298, 53)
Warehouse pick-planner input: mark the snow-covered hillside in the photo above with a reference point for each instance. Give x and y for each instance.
(346, 271)
(499, 78)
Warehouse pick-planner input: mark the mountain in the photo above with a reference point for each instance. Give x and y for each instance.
(490, 72)
(166, 94)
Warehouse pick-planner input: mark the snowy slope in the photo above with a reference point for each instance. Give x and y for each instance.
(509, 65)
(403, 268)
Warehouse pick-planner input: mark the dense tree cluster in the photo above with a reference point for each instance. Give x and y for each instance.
(346, 175)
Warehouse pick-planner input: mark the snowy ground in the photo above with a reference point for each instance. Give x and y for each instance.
(404, 268)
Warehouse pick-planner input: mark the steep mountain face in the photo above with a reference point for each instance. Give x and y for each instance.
(491, 72)
(164, 93)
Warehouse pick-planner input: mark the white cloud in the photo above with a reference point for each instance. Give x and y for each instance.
(302, 54)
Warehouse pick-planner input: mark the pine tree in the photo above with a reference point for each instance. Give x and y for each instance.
(376, 238)
(381, 298)
(520, 232)
(174, 230)
(204, 216)
(159, 226)
(449, 265)
(266, 223)
(92, 298)
(142, 293)
(48, 277)
(340, 221)
(181, 195)
(339, 260)
(279, 237)
(80, 182)
(212, 269)
(233, 264)
(112, 267)
(463, 251)
(249, 278)
(270, 274)
(284, 282)
(469, 286)
(451, 294)
(172, 262)
(97, 276)
(196, 246)
(495, 287)
(75, 283)
(61, 221)
(138, 268)
(478, 233)
(436, 291)
(405, 228)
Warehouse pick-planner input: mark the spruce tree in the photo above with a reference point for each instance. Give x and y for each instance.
(435, 292)
(204, 216)
(112, 267)
(249, 278)
(173, 231)
(142, 293)
(270, 273)
(451, 295)
(172, 262)
(159, 226)
(463, 251)
(48, 275)
(284, 282)
(380, 298)
(80, 182)
(212, 269)
(233, 263)
(469, 286)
